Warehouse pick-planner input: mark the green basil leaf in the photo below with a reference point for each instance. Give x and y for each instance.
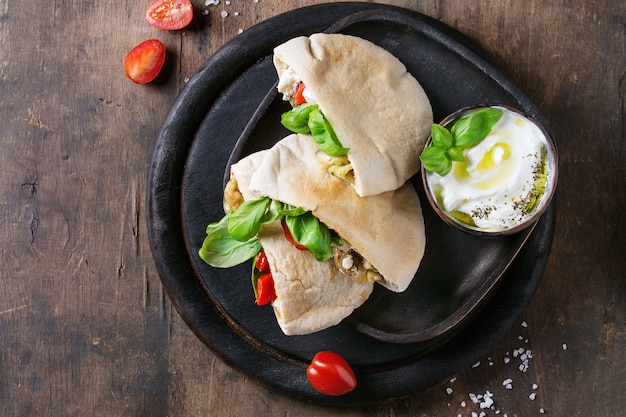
(245, 222)
(324, 135)
(297, 119)
(455, 154)
(470, 130)
(220, 250)
(289, 210)
(436, 160)
(441, 137)
(308, 231)
(273, 213)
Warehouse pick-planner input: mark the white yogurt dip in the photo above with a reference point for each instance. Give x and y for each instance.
(502, 180)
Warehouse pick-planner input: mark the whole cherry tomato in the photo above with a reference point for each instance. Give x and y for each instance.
(170, 14)
(289, 236)
(330, 374)
(144, 62)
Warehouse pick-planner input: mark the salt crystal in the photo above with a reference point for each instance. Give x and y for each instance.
(534, 386)
(524, 324)
(564, 346)
(477, 364)
(507, 381)
(228, 2)
(240, 31)
(452, 380)
(205, 12)
(211, 2)
(541, 410)
(463, 404)
(449, 390)
(224, 13)
(237, 13)
(532, 396)
(507, 360)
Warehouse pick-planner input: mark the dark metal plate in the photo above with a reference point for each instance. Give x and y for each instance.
(468, 291)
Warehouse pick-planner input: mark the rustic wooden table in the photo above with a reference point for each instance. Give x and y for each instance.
(85, 325)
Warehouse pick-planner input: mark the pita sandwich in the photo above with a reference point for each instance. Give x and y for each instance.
(378, 110)
(384, 234)
(310, 295)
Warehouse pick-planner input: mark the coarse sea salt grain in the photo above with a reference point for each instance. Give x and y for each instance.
(211, 2)
(224, 13)
(449, 390)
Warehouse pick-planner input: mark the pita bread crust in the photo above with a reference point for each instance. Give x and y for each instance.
(310, 295)
(386, 229)
(375, 106)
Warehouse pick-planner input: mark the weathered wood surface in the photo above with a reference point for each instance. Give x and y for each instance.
(85, 327)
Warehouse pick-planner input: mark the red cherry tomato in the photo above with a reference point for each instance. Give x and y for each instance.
(298, 97)
(170, 14)
(261, 263)
(265, 289)
(330, 374)
(289, 236)
(144, 62)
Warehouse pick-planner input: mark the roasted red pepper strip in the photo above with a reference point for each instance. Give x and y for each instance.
(298, 98)
(261, 263)
(265, 289)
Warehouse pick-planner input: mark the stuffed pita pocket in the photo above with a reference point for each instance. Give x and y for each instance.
(309, 295)
(365, 111)
(371, 239)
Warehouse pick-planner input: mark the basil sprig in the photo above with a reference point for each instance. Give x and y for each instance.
(233, 239)
(219, 249)
(447, 145)
(308, 118)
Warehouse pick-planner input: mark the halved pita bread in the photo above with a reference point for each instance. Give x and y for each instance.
(311, 295)
(385, 229)
(376, 108)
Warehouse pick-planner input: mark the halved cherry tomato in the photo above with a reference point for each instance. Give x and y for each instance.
(170, 14)
(289, 236)
(144, 62)
(261, 263)
(330, 374)
(265, 289)
(298, 97)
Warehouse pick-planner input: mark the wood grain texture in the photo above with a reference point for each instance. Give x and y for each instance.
(85, 327)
